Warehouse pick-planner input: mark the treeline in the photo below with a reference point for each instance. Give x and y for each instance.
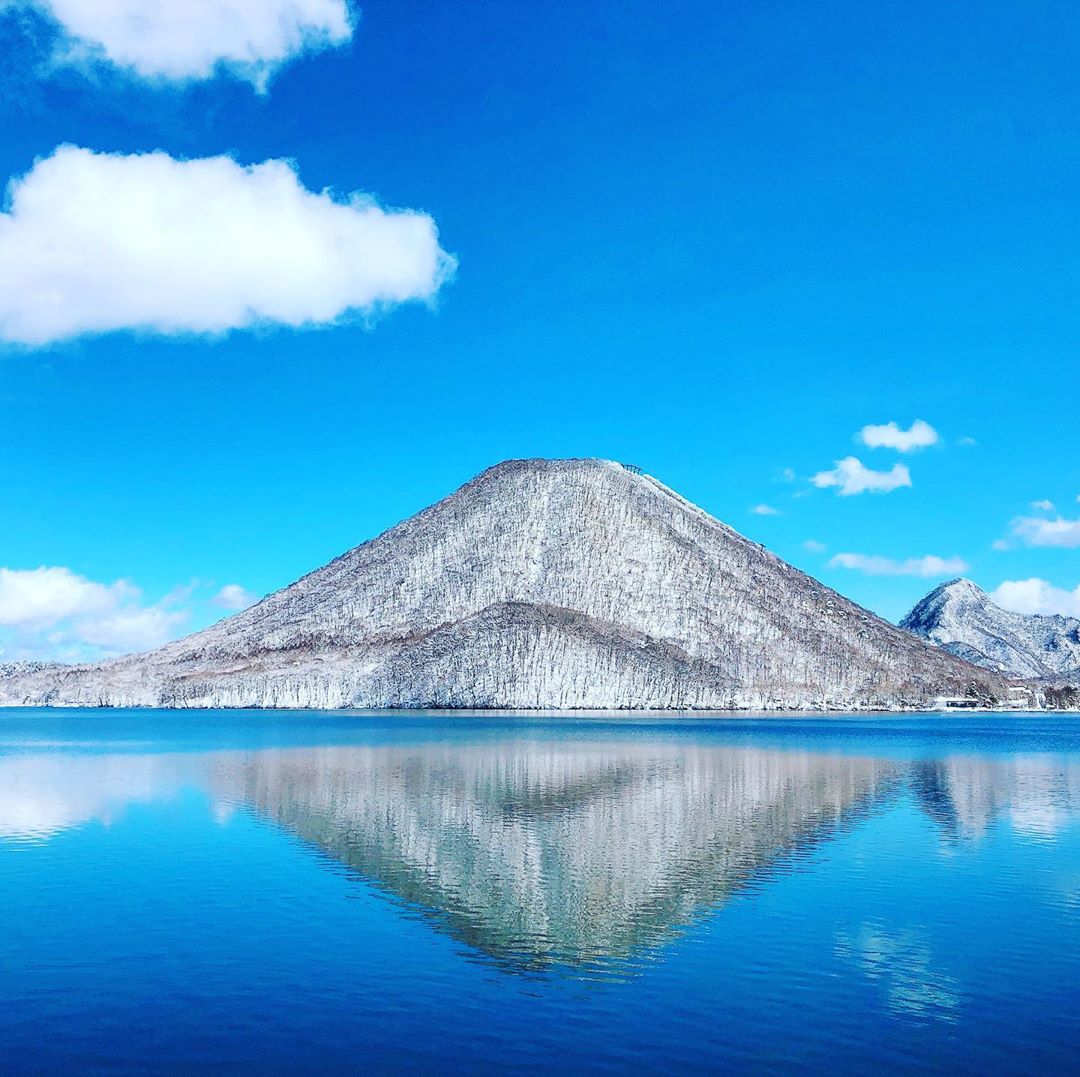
(1065, 697)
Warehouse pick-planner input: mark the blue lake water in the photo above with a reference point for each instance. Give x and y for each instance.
(342, 892)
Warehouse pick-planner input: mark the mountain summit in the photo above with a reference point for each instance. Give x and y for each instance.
(540, 584)
(963, 619)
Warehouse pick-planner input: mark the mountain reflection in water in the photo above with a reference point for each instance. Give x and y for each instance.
(444, 894)
(546, 854)
(541, 855)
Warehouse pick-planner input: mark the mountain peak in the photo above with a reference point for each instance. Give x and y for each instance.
(952, 593)
(963, 584)
(963, 619)
(964, 589)
(539, 584)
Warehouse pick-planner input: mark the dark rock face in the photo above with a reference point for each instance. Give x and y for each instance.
(540, 584)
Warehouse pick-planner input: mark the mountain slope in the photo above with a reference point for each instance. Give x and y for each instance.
(960, 617)
(541, 583)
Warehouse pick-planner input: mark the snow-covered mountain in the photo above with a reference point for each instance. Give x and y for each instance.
(540, 584)
(960, 617)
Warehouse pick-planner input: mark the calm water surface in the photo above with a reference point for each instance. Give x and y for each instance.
(282, 892)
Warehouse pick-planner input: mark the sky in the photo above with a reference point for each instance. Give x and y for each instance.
(275, 275)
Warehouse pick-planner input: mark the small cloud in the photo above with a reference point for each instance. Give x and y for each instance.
(54, 612)
(814, 546)
(765, 510)
(186, 41)
(234, 597)
(1043, 506)
(966, 442)
(43, 596)
(131, 629)
(788, 475)
(1040, 531)
(850, 476)
(1036, 596)
(1000, 545)
(891, 436)
(924, 567)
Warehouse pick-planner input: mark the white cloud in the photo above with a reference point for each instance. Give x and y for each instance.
(1036, 596)
(765, 510)
(1039, 531)
(234, 597)
(850, 476)
(190, 39)
(966, 442)
(94, 242)
(130, 629)
(43, 596)
(51, 611)
(788, 475)
(1043, 506)
(912, 566)
(1000, 545)
(814, 546)
(890, 436)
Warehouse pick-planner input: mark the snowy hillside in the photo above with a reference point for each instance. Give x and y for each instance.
(541, 583)
(960, 617)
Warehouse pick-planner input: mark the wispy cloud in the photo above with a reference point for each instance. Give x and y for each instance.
(1043, 531)
(966, 442)
(765, 510)
(193, 39)
(51, 611)
(814, 546)
(96, 242)
(925, 567)
(1043, 506)
(850, 476)
(892, 436)
(1036, 596)
(42, 596)
(234, 597)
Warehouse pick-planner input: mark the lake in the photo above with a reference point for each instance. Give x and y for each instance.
(339, 892)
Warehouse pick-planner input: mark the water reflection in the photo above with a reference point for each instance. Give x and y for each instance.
(964, 794)
(44, 795)
(541, 854)
(903, 962)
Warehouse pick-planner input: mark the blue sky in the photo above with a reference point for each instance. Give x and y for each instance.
(716, 241)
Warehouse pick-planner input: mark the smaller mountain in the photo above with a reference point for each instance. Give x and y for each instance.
(961, 618)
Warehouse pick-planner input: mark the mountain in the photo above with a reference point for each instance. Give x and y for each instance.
(540, 584)
(961, 618)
